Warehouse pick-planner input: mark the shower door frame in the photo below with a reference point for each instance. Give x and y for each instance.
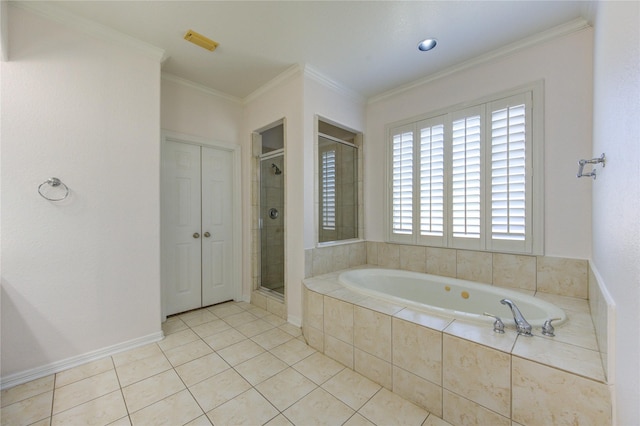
(265, 157)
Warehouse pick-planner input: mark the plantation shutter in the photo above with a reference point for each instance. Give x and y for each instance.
(432, 180)
(329, 190)
(465, 178)
(510, 193)
(402, 182)
(466, 175)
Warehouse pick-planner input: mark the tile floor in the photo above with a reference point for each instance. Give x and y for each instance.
(229, 364)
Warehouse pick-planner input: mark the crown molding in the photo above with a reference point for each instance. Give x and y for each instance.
(553, 33)
(307, 71)
(201, 88)
(57, 14)
(314, 74)
(290, 72)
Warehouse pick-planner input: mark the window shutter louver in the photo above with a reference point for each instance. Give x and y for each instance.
(470, 177)
(508, 173)
(402, 171)
(466, 177)
(432, 180)
(329, 190)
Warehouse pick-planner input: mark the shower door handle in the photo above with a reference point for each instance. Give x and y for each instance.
(207, 235)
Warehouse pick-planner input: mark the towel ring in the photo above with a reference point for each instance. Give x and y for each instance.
(54, 182)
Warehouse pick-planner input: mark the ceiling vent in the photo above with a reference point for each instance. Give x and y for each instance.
(200, 40)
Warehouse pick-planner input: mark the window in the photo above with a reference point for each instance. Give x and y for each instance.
(337, 190)
(464, 178)
(328, 183)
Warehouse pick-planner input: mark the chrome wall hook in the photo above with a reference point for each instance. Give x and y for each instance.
(54, 182)
(602, 159)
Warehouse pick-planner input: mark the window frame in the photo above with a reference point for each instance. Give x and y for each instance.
(533, 243)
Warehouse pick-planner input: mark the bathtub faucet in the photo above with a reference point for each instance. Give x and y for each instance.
(522, 326)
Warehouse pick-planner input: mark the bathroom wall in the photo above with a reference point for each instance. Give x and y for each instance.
(281, 98)
(192, 110)
(565, 65)
(616, 192)
(332, 102)
(78, 276)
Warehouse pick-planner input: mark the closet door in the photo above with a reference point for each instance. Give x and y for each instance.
(217, 226)
(181, 213)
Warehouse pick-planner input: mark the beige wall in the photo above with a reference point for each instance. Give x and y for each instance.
(81, 275)
(616, 192)
(565, 65)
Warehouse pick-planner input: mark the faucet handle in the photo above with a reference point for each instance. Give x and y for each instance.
(498, 325)
(547, 328)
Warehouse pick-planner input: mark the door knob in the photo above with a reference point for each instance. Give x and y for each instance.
(207, 235)
(196, 235)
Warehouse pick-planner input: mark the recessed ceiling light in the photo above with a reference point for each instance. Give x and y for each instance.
(427, 44)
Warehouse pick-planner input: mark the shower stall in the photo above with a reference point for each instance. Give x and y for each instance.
(272, 223)
(269, 211)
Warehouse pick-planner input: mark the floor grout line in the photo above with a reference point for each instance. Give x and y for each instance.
(294, 358)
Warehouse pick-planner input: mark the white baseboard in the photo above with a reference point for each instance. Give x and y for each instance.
(21, 377)
(295, 320)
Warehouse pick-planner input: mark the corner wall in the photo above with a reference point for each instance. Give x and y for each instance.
(79, 276)
(616, 192)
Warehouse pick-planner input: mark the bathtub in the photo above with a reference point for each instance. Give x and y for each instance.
(449, 297)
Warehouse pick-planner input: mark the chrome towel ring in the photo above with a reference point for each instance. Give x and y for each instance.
(54, 182)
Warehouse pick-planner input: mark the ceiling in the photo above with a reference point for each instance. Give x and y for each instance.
(369, 47)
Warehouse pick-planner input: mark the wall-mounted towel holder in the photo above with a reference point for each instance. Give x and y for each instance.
(54, 182)
(592, 173)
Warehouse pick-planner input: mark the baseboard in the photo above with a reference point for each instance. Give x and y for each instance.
(295, 320)
(55, 367)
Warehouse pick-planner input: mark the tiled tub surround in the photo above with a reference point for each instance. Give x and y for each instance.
(554, 275)
(459, 371)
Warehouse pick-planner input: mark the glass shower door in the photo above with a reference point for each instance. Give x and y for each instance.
(272, 224)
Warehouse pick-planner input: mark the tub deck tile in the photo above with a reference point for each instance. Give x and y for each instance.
(483, 334)
(380, 306)
(570, 358)
(426, 320)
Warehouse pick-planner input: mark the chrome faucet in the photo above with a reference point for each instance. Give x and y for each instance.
(522, 326)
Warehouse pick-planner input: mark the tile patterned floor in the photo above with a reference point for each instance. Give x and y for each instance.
(229, 364)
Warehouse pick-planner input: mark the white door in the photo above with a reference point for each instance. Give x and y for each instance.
(181, 244)
(197, 227)
(217, 226)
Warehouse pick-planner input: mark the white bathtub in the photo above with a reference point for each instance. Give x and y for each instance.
(448, 296)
